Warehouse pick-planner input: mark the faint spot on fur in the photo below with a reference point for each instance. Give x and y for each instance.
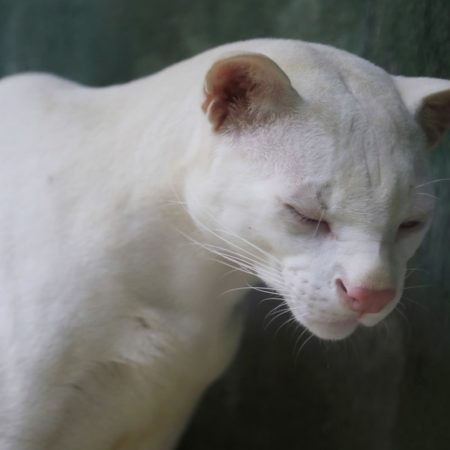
(142, 322)
(77, 387)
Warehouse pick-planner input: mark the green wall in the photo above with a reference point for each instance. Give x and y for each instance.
(383, 389)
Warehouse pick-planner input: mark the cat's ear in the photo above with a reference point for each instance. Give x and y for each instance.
(246, 89)
(428, 99)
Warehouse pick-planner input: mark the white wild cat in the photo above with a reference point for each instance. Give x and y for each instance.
(124, 209)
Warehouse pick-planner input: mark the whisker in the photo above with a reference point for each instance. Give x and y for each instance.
(426, 194)
(264, 272)
(250, 268)
(303, 345)
(276, 309)
(268, 299)
(402, 314)
(410, 272)
(297, 341)
(242, 264)
(267, 254)
(419, 286)
(242, 261)
(276, 316)
(318, 223)
(432, 182)
(215, 234)
(218, 249)
(226, 264)
(229, 272)
(252, 288)
(416, 303)
(249, 255)
(286, 322)
(226, 252)
(204, 245)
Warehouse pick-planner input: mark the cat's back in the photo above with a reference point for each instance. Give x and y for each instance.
(36, 108)
(31, 87)
(28, 96)
(58, 172)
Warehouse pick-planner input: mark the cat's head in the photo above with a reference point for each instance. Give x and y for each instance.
(317, 181)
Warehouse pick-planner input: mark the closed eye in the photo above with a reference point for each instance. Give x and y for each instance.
(410, 225)
(313, 221)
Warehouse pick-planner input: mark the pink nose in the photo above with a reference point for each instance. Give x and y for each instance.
(365, 300)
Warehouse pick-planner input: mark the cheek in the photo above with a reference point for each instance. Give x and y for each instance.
(246, 205)
(231, 220)
(256, 223)
(408, 245)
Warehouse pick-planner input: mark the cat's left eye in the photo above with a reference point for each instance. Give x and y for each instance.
(313, 221)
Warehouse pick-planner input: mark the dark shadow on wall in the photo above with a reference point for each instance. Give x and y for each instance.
(385, 389)
(381, 389)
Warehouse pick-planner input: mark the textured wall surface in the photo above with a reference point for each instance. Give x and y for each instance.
(383, 389)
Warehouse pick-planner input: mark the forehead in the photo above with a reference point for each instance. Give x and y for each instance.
(349, 159)
(369, 147)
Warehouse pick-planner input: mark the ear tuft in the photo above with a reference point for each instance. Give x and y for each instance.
(246, 89)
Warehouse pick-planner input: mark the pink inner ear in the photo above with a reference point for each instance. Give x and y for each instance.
(435, 115)
(229, 89)
(246, 90)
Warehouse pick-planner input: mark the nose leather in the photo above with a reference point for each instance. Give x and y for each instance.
(365, 300)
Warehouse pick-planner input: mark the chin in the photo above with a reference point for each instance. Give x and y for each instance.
(370, 320)
(328, 330)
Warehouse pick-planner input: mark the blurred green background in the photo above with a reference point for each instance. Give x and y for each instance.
(383, 389)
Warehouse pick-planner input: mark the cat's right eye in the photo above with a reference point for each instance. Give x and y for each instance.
(410, 225)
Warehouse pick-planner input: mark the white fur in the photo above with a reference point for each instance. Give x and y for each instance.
(113, 202)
